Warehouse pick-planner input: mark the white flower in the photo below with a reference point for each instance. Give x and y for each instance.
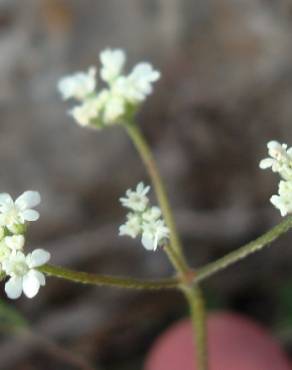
(79, 85)
(154, 233)
(18, 212)
(280, 159)
(23, 275)
(138, 85)
(132, 227)
(113, 62)
(15, 242)
(283, 201)
(136, 199)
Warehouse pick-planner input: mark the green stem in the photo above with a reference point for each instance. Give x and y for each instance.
(198, 318)
(102, 280)
(239, 254)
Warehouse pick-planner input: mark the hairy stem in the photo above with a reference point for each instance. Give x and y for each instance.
(198, 318)
(244, 251)
(107, 280)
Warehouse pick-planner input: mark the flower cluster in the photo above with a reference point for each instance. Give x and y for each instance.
(120, 97)
(143, 219)
(20, 268)
(280, 161)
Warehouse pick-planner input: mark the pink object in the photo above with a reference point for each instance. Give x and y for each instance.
(235, 343)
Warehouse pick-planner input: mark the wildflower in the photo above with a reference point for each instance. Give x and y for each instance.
(136, 199)
(24, 277)
(79, 85)
(14, 213)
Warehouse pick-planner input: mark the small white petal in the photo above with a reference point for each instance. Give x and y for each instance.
(266, 163)
(5, 198)
(37, 258)
(28, 199)
(31, 284)
(30, 215)
(13, 287)
(148, 243)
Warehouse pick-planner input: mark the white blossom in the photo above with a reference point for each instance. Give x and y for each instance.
(13, 213)
(280, 159)
(118, 99)
(283, 201)
(79, 85)
(113, 62)
(136, 200)
(132, 227)
(154, 233)
(24, 277)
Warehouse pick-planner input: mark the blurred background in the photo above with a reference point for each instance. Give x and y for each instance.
(226, 90)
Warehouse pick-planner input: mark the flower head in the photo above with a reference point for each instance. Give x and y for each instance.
(14, 213)
(23, 275)
(143, 219)
(118, 100)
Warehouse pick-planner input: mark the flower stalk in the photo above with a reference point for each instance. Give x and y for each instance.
(244, 251)
(199, 324)
(107, 280)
